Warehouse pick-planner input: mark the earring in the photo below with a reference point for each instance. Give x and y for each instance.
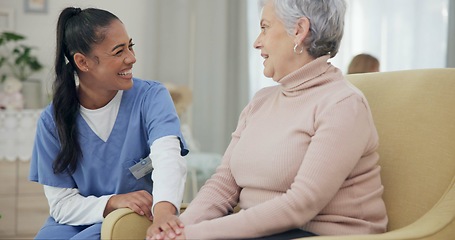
(295, 49)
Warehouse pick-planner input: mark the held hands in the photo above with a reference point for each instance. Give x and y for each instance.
(139, 201)
(166, 225)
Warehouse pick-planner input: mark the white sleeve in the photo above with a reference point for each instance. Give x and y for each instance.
(169, 171)
(67, 206)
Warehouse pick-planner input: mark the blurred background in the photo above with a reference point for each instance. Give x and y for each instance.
(203, 51)
(206, 45)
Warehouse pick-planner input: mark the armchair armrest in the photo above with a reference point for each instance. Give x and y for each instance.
(438, 223)
(124, 223)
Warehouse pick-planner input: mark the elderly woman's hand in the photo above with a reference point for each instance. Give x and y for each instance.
(166, 227)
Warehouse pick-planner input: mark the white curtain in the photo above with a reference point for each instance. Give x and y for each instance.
(402, 34)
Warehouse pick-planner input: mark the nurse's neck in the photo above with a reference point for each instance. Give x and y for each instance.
(92, 99)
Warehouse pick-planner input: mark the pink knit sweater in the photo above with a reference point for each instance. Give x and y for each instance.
(303, 156)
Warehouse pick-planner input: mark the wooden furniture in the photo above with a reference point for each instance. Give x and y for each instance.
(23, 206)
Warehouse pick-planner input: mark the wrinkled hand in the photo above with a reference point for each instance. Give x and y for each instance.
(139, 201)
(165, 226)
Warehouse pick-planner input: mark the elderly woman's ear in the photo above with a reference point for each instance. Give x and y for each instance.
(302, 29)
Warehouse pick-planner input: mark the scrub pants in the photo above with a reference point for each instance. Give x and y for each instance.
(53, 230)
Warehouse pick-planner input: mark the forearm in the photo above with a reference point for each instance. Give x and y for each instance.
(169, 174)
(218, 196)
(67, 206)
(109, 207)
(164, 208)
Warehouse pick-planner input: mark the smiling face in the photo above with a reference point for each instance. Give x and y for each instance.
(108, 67)
(277, 46)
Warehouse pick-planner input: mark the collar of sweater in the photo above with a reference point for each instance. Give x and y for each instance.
(301, 78)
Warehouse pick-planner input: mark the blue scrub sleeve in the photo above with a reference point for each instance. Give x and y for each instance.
(161, 118)
(45, 149)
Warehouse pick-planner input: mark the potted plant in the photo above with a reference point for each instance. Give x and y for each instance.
(17, 57)
(17, 64)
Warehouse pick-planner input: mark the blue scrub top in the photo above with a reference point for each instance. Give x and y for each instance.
(146, 113)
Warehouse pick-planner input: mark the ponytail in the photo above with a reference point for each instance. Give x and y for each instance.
(77, 31)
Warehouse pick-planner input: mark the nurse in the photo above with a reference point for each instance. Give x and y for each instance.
(108, 140)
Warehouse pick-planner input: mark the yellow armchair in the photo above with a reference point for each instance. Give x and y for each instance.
(414, 111)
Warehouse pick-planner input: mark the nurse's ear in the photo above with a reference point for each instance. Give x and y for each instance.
(81, 62)
(301, 30)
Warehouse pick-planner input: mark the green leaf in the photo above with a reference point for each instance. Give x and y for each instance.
(10, 36)
(17, 57)
(35, 64)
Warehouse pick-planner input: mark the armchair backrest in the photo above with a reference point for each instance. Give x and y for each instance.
(414, 112)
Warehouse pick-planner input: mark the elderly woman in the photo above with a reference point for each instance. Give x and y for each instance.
(303, 158)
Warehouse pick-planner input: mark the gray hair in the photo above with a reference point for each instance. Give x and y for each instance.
(326, 22)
